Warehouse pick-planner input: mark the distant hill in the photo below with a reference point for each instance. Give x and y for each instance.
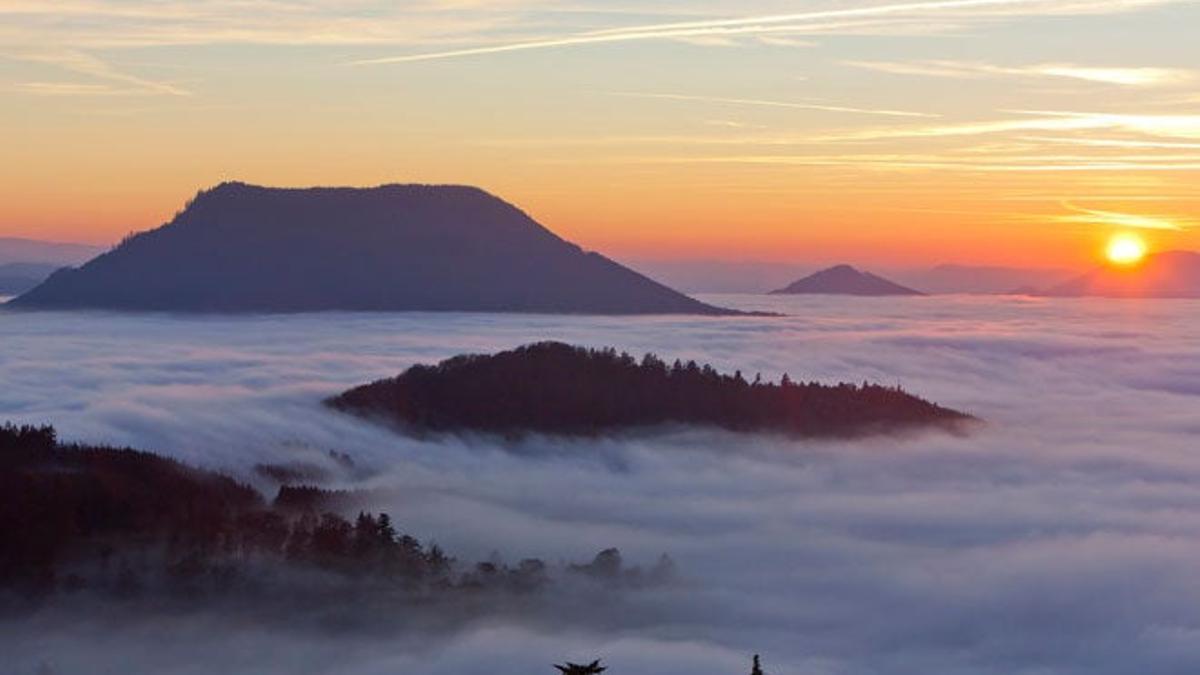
(981, 279)
(556, 388)
(241, 247)
(19, 277)
(1172, 274)
(845, 280)
(16, 250)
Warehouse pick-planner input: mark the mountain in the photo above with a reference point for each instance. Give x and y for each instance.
(19, 277)
(555, 388)
(15, 250)
(1172, 274)
(240, 247)
(981, 279)
(845, 280)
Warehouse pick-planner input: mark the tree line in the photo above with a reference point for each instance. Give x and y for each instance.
(124, 521)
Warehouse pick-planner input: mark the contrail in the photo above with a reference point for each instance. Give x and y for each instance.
(698, 28)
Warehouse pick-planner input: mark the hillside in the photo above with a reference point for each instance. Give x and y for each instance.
(125, 523)
(844, 280)
(242, 248)
(556, 388)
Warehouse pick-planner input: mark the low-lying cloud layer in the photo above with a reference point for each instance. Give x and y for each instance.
(1061, 538)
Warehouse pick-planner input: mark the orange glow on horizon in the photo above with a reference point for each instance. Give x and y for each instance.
(1125, 249)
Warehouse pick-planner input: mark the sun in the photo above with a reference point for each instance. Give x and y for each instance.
(1125, 249)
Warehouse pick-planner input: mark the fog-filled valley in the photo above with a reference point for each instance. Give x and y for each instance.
(1059, 537)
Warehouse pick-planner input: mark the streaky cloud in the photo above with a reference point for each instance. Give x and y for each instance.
(759, 24)
(775, 104)
(1127, 76)
(1129, 220)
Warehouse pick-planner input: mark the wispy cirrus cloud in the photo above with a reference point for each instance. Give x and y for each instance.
(1136, 221)
(766, 103)
(798, 22)
(1116, 143)
(1125, 76)
(1178, 126)
(948, 161)
(81, 63)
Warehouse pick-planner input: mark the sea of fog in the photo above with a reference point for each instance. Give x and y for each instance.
(1063, 537)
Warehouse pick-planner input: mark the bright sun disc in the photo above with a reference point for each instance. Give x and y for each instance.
(1125, 249)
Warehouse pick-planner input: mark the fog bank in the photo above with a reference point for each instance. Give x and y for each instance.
(1060, 538)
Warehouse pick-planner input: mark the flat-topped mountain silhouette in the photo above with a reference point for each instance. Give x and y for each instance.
(1171, 274)
(240, 247)
(845, 280)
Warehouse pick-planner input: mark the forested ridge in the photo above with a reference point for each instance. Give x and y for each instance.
(551, 387)
(127, 523)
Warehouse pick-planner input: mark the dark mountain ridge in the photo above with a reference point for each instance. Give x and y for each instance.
(240, 247)
(844, 280)
(555, 388)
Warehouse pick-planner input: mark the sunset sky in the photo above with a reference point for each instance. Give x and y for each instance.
(1003, 131)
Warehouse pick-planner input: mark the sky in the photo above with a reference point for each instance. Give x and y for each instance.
(1022, 132)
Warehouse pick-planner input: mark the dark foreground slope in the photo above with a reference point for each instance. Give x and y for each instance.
(1171, 274)
(844, 280)
(240, 247)
(119, 523)
(556, 388)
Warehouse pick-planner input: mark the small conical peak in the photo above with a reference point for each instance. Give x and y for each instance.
(843, 268)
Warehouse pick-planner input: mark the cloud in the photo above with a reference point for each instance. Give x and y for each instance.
(962, 161)
(1126, 76)
(969, 70)
(1127, 220)
(1062, 538)
(798, 22)
(1181, 126)
(1117, 143)
(796, 105)
(86, 64)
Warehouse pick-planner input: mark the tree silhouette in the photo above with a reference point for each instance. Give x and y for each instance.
(593, 668)
(757, 669)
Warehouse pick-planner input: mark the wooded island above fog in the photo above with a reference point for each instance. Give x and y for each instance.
(555, 388)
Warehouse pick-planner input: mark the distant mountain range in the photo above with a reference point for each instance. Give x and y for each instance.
(17, 250)
(19, 277)
(1171, 274)
(725, 276)
(981, 279)
(844, 280)
(239, 247)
